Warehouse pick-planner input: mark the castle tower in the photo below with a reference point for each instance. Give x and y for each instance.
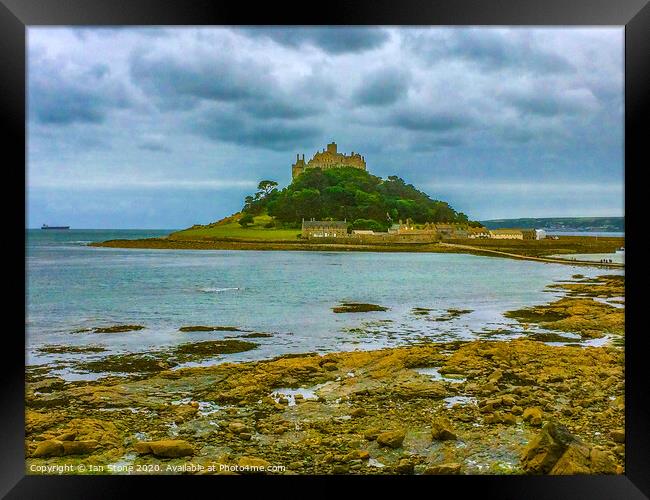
(329, 157)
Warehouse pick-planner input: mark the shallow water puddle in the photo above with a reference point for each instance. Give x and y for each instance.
(290, 394)
(459, 400)
(208, 408)
(617, 302)
(434, 374)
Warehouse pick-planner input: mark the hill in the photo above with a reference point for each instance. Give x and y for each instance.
(354, 195)
(364, 200)
(230, 229)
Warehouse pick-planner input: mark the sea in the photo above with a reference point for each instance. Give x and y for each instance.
(71, 286)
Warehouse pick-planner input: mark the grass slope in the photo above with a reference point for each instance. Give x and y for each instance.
(229, 229)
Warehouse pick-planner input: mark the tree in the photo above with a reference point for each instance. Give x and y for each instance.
(256, 204)
(246, 220)
(351, 193)
(265, 188)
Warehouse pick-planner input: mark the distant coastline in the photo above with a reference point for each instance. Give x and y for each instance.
(606, 225)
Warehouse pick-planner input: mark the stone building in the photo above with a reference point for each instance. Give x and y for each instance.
(507, 234)
(328, 158)
(478, 233)
(324, 229)
(451, 231)
(529, 234)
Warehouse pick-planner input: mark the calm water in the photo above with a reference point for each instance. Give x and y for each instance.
(289, 294)
(594, 234)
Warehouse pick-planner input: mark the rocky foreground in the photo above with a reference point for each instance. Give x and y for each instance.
(480, 407)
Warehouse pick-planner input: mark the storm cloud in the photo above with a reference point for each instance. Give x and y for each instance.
(213, 110)
(383, 87)
(332, 40)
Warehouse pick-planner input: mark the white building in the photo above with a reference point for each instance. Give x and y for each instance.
(540, 234)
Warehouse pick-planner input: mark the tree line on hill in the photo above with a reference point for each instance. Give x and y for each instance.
(363, 199)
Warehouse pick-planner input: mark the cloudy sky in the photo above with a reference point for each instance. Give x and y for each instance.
(168, 127)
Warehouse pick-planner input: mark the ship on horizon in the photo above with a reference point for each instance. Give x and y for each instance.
(45, 226)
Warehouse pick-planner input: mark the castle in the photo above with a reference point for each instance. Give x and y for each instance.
(328, 158)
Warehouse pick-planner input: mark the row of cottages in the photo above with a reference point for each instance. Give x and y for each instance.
(324, 228)
(408, 232)
(478, 233)
(517, 234)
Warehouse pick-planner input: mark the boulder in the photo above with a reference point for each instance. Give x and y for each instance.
(392, 439)
(79, 447)
(169, 448)
(405, 466)
(496, 376)
(357, 455)
(618, 435)
(556, 451)
(533, 415)
(494, 418)
(508, 419)
(371, 434)
(49, 448)
(237, 427)
(508, 400)
(440, 469)
(340, 469)
(253, 462)
(441, 430)
(67, 436)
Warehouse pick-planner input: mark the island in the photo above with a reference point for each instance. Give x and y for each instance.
(333, 203)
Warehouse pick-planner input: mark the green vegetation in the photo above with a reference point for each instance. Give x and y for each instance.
(356, 307)
(214, 347)
(246, 220)
(367, 201)
(111, 329)
(262, 228)
(126, 363)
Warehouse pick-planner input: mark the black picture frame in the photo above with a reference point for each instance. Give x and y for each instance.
(17, 15)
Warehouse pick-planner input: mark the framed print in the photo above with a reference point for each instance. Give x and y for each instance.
(383, 242)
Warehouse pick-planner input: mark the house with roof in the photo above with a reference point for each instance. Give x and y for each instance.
(324, 229)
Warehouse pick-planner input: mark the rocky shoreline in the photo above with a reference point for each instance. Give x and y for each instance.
(521, 406)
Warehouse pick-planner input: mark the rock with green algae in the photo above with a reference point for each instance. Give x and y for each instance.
(113, 329)
(391, 439)
(56, 448)
(127, 363)
(213, 347)
(556, 451)
(443, 469)
(168, 448)
(533, 415)
(357, 307)
(585, 316)
(203, 328)
(441, 430)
